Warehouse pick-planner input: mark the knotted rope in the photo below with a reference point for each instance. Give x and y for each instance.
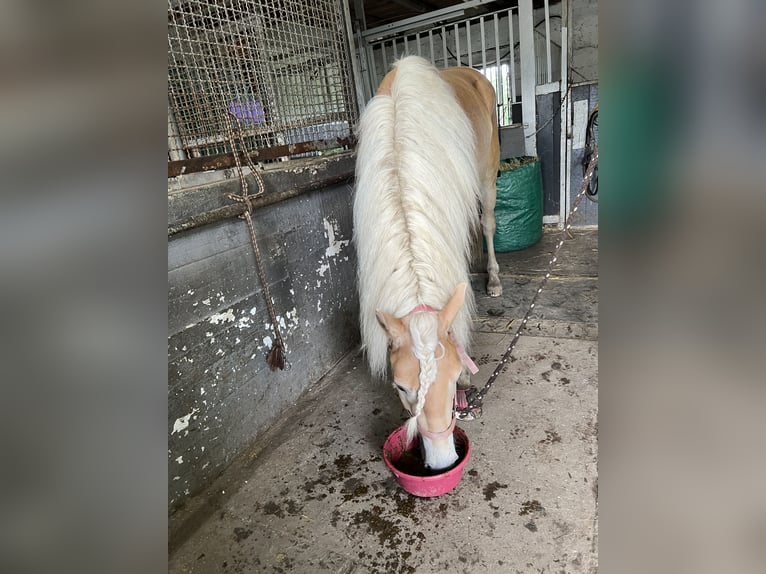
(276, 357)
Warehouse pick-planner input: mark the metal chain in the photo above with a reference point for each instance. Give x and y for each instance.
(276, 357)
(477, 397)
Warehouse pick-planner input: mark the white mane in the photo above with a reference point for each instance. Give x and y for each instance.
(415, 205)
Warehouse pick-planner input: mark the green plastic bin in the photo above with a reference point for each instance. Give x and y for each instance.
(519, 207)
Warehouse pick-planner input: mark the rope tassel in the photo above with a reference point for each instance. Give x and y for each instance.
(276, 357)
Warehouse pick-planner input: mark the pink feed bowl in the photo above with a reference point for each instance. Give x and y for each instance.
(395, 448)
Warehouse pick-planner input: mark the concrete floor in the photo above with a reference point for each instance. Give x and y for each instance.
(314, 495)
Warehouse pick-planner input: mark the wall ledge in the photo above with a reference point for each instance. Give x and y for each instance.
(193, 201)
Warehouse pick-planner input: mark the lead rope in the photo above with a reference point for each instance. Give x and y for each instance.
(475, 399)
(276, 357)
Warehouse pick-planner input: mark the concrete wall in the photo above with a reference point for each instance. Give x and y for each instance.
(221, 392)
(584, 38)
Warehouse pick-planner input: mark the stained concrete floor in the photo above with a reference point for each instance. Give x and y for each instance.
(315, 496)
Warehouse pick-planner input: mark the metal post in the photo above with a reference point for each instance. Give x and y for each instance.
(468, 41)
(548, 41)
(512, 58)
(176, 150)
(564, 147)
(431, 46)
(528, 79)
(483, 43)
(356, 55)
(457, 44)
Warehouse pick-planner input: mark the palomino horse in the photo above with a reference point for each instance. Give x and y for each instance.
(427, 155)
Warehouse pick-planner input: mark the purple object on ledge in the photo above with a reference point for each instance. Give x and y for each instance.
(248, 112)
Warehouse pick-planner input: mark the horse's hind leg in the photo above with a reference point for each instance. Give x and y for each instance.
(494, 288)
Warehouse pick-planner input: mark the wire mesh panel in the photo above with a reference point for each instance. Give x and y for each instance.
(274, 75)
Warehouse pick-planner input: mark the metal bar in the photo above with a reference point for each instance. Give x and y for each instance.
(406, 46)
(528, 76)
(372, 72)
(444, 46)
(220, 161)
(499, 72)
(563, 176)
(512, 57)
(468, 42)
(417, 37)
(385, 60)
(176, 150)
(548, 41)
(356, 57)
(457, 44)
(431, 46)
(483, 44)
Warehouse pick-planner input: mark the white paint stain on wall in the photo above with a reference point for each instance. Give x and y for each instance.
(225, 317)
(334, 248)
(244, 322)
(180, 459)
(335, 245)
(182, 423)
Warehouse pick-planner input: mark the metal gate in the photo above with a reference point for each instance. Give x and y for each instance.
(518, 56)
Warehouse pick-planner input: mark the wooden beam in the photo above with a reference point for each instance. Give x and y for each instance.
(220, 161)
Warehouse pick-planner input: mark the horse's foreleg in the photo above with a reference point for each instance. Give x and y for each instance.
(494, 288)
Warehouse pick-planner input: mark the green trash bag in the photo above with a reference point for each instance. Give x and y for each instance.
(519, 208)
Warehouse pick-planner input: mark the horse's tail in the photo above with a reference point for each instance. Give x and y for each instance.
(416, 202)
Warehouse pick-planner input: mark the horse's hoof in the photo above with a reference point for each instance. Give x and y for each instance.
(494, 290)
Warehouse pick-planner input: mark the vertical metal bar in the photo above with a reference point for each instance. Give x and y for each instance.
(468, 41)
(483, 44)
(563, 172)
(444, 45)
(356, 55)
(548, 41)
(175, 144)
(431, 46)
(457, 45)
(385, 60)
(512, 57)
(498, 72)
(528, 75)
(417, 37)
(406, 46)
(372, 71)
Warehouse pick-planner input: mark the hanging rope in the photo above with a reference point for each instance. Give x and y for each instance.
(276, 357)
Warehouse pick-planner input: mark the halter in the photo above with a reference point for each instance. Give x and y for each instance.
(464, 358)
(441, 434)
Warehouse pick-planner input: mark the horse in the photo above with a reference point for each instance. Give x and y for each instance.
(427, 157)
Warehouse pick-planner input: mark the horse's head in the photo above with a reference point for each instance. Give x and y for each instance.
(426, 365)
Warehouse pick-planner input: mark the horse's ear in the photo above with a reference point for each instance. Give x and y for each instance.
(395, 328)
(449, 312)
